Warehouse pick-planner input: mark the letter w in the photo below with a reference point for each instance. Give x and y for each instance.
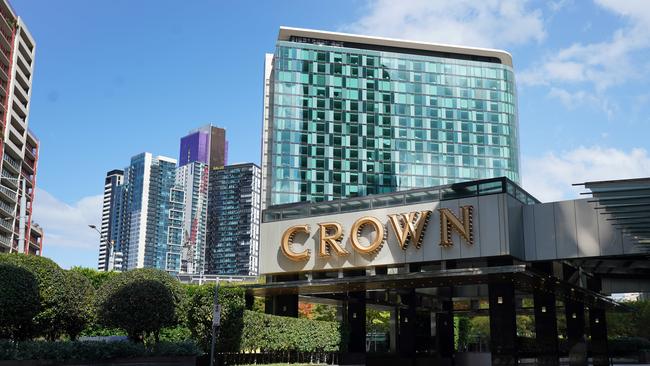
(409, 228)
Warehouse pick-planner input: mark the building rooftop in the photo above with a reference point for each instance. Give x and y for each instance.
(437, 49)
(439, 193)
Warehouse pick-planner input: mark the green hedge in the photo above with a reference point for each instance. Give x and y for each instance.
(75, 350)
(19, 301)
(196, 315)
(268, 333)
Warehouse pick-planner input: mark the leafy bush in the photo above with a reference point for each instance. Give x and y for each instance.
(75, 350)
(141, 302)
(627, 345)
(19, 301)
(49, 322)
(96, 278)
(197, 315)
(78, 306)
(277, 333)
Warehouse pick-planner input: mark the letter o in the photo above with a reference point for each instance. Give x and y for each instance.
(376, 244)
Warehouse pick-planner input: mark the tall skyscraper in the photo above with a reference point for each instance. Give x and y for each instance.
(349, 115)
(207, 145)
(108, 230)
(234, 220)
(149, 214)
(201, 150)
(19, 147)
(192, 178)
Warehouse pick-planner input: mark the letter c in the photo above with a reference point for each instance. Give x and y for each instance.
(287, 240)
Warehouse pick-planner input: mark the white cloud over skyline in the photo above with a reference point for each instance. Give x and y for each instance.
(550, 177)
(602, 64)
(487, 23)
(66, 228)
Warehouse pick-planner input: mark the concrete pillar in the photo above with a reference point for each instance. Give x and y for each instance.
(407, 319)
(356, 321)
(394, 329)
(445, 330)
(546, 328)
(503, 323)
(598, 330)
(250, 301)
(575, 327)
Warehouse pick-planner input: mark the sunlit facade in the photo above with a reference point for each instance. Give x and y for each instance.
(348, 116)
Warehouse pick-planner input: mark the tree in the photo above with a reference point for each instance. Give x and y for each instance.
(305, 310)
(96, 278)
(19, 301)
(324, 312)
(197, 315)
(52, 296)
(141, 302)
(79, 309)
(377, 321)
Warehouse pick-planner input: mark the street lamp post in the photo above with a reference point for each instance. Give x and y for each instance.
(216, 323)
(109, 247)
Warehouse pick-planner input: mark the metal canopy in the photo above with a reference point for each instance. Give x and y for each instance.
(626, 203)
(523, 278)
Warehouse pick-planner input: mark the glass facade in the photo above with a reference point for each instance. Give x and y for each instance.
(346, 121)
(193, 179)
(233, 220)
(148, 218)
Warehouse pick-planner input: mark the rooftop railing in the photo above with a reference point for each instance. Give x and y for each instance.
(440, 193)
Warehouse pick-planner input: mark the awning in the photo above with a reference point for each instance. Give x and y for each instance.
(524, 279)
(626, 203)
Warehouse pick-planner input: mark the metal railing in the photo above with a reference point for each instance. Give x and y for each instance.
(440, 193)
(8, 192)
(6, 224)
(11, 161)
(5, 239)
(6, 208)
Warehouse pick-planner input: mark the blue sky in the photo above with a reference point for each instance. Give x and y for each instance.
(115, 78)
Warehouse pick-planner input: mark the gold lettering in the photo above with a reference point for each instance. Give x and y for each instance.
(331, 241)
(287, 240)
(409, 227)
(449, 222)
(378, 241)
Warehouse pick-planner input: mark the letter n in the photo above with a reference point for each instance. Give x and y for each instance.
(450, 222)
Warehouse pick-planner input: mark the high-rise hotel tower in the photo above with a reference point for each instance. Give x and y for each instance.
(348, 115)
(19, 146)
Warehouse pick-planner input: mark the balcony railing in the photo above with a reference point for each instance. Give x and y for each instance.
(11, 161)
(8, 192)
(5, 239)
(6, 224)
(6, 208)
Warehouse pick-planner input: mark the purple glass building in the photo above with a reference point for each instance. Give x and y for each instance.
(207, 145)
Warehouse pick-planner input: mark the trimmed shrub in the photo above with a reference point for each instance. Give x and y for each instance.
(141, 302)
(270, 333)
(19, 301)
(96, 278)
(197, 315)
(49, 321)
(91, 351)
(78, 307)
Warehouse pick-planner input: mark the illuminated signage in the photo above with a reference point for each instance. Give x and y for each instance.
(409, 229)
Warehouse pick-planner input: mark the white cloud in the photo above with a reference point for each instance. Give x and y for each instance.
(572, 100)
(599, 64)
(549, 177)
(486, 23)
(67, 238)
